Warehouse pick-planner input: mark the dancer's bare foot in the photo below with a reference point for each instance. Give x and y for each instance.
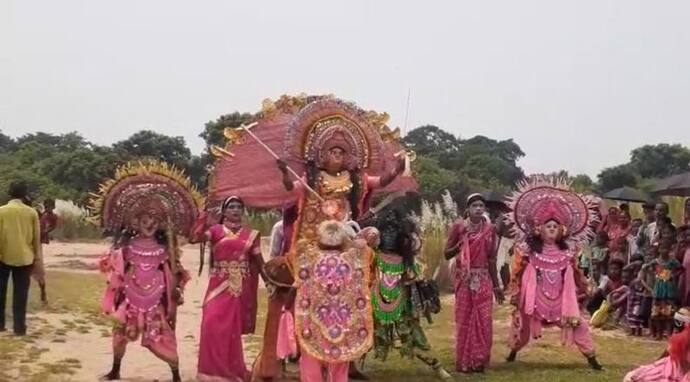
(355, 374)
(112, 376)
(175, 374)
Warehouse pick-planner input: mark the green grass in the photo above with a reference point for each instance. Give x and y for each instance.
(67, 292)
(543, 360)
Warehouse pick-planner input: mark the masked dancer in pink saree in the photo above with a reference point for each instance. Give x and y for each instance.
(552, 221)
(476, 284)
(146, 206)
(229, 308)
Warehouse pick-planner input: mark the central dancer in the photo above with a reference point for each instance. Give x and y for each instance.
(333, 317)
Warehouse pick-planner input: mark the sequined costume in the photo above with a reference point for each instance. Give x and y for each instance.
(333, 316)
(549, 278)
(145, 277)
(400, 295)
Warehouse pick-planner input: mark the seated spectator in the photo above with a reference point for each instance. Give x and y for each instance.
(598, 282)
(611, 313)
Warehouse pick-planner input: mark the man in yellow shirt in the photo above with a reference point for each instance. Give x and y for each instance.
(20, 254)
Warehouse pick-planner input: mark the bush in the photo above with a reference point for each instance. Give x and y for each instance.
(72, 223)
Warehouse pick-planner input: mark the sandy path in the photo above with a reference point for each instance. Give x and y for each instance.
(93, 350)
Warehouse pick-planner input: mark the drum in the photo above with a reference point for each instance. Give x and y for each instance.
(278, 272)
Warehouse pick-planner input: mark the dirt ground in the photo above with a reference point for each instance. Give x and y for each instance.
(93, 349)
(66, 346)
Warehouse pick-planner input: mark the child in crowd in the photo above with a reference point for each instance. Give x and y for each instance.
(598, 282)
(648, 277)
(634, 316)
(663, 291)
(683, 257)
(615, 276)
(617, 299)
(622, 251)
(600, 251)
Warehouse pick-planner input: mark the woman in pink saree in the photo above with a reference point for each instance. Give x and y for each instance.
(476, 284)
(229, 308)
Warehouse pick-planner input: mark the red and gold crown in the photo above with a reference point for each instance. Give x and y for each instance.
(150, 187)
(541, 199)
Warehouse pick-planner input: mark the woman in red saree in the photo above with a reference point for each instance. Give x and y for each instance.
(618, 235)
(229, 308)
(476, 284)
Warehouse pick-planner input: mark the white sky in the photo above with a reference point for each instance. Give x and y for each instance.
(577, 84)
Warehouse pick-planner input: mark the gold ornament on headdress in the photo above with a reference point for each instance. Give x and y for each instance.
(144, 184)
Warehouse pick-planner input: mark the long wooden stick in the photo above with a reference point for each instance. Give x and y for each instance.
(265, 146)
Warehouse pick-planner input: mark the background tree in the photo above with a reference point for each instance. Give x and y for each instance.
(488, 162)
(6, 143)
(149, 144)
(213, 130)
(431, 140)
(583, 184)
(615, 177)
(432, 178)
(658, 161)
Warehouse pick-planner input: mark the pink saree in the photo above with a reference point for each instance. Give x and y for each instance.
(229, 306)
(473, 297)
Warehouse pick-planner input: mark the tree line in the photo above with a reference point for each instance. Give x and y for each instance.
(67, 166)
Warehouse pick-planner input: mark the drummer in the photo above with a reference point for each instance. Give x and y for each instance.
(267, 366)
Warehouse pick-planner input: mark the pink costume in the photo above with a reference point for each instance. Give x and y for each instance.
(473, 296)
(140, 297)
(548, 297)
(333, 313)
(229, 308)
(547, 285)
(142, 203)
(669, 368)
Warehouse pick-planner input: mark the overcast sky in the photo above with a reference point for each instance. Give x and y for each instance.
(577, 84)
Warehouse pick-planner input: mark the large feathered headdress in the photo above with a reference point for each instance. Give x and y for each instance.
(146, 187)
(541, 199)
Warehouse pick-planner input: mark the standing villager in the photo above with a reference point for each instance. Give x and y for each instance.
(476, 285)
(48, 221)
(551, 220)
(146, 207)
(20, 254)
(230, 304)
(683, 255)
